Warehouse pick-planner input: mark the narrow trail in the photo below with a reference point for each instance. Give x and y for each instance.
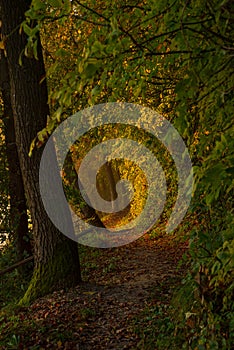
(98, 313)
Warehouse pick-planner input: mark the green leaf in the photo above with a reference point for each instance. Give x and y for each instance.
(27, 29)
(66, 6)
(90, 70)
(215, 173)
(61, 53)
(210, 198)
(35, 49)
(55, 3)
(98, 47)
(38, 5)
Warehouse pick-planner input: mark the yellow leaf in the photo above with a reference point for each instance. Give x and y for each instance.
(59, 344)
(2, 46)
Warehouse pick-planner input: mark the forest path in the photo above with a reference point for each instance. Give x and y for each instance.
(119, 283)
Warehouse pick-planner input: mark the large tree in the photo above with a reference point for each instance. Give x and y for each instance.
(18, 205)
(56, 257)
(176, 56)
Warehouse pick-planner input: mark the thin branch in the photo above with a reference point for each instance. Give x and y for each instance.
(221, 68)
(176, 52)
(132, 38)
(155, 83)
(91, 22)
(92, 10)
(227, 48)
(154, 16)
(198, 22)
(132, 7)
(160, 35)
(212, 90)
(18, 264)
(218, 35)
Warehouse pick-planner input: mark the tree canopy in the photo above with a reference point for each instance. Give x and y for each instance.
(175, 57)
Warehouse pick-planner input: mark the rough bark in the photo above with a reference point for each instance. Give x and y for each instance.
(55, 256)
(18, 205)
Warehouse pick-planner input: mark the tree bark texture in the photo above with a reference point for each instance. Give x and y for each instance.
(18, 205)
(55, 256)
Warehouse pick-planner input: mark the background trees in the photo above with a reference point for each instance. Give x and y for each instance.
(177, 58)
(18, 205)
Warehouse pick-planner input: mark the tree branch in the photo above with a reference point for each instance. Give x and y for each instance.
(19, 263)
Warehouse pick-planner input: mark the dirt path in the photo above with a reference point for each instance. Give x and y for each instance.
(98, 314)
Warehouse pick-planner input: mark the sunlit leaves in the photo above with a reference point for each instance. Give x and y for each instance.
(173, 56)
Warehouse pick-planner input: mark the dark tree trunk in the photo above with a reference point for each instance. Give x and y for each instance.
(18, 206)
(87, 213)
(56, 257)
(107, 183)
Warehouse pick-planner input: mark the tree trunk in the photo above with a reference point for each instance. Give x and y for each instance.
(18, 206)
(107, 184)
(87, 213)
(55, 256)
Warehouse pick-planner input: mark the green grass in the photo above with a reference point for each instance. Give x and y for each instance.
(12, 284)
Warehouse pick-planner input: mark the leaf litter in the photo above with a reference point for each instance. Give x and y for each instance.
(118, 285)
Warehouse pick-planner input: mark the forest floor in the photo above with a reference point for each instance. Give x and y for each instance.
(118, 285)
